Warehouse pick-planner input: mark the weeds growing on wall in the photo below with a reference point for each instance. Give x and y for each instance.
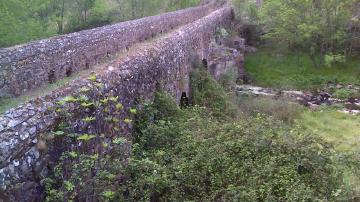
(91, 143)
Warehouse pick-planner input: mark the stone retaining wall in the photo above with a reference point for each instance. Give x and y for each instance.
(31, 65)
(166, 62)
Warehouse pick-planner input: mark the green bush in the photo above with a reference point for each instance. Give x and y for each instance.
(343, 93)
(90, 127)
(331, 59)
(208, 93)
(194, 157)
(228, 79)
(192, 154)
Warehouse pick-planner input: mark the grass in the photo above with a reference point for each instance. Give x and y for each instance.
(342, 131)
(339, 129)
(296, 71)
(8, 103)
(281, 109)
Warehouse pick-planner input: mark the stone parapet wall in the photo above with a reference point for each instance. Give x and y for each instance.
(31, 65)
(165, 62)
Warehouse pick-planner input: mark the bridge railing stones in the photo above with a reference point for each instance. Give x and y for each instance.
(31, 65)
(167, 61)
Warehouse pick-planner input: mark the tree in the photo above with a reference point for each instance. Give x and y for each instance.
(317, 27)
(59, 10)
(83, 7)
(23, 20)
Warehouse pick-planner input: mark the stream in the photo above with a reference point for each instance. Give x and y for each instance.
(312, 100)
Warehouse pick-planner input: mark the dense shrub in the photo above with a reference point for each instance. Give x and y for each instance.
(196, 157)
(228, 80)
(208, 93)
(89, 145)
(192, 154)
(343, 93)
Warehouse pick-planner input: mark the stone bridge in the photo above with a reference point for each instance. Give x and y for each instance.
(136, 57)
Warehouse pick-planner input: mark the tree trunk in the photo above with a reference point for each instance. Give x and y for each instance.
(258, 3)
(62, 17)
(313, 60)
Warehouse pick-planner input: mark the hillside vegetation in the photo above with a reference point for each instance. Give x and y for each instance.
(327, 31)
(208, 151)
(223, 146)
(23, 21)
(311, 46)
(296, 71)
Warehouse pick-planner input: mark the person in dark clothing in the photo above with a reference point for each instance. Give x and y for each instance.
(184, 101)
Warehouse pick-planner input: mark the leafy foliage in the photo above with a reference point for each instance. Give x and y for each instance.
(332, 59)
(19, 23)
(247, 11)
(341, 130)
(89, 129)
(208, 93)
(311, 26)
(343, 93)
(23, 21)
(317, 28)
(191, 154)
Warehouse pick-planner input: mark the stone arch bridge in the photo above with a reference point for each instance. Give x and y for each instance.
(135, 56)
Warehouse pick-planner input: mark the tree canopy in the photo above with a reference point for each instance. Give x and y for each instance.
(22, 21)
(318, 27)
